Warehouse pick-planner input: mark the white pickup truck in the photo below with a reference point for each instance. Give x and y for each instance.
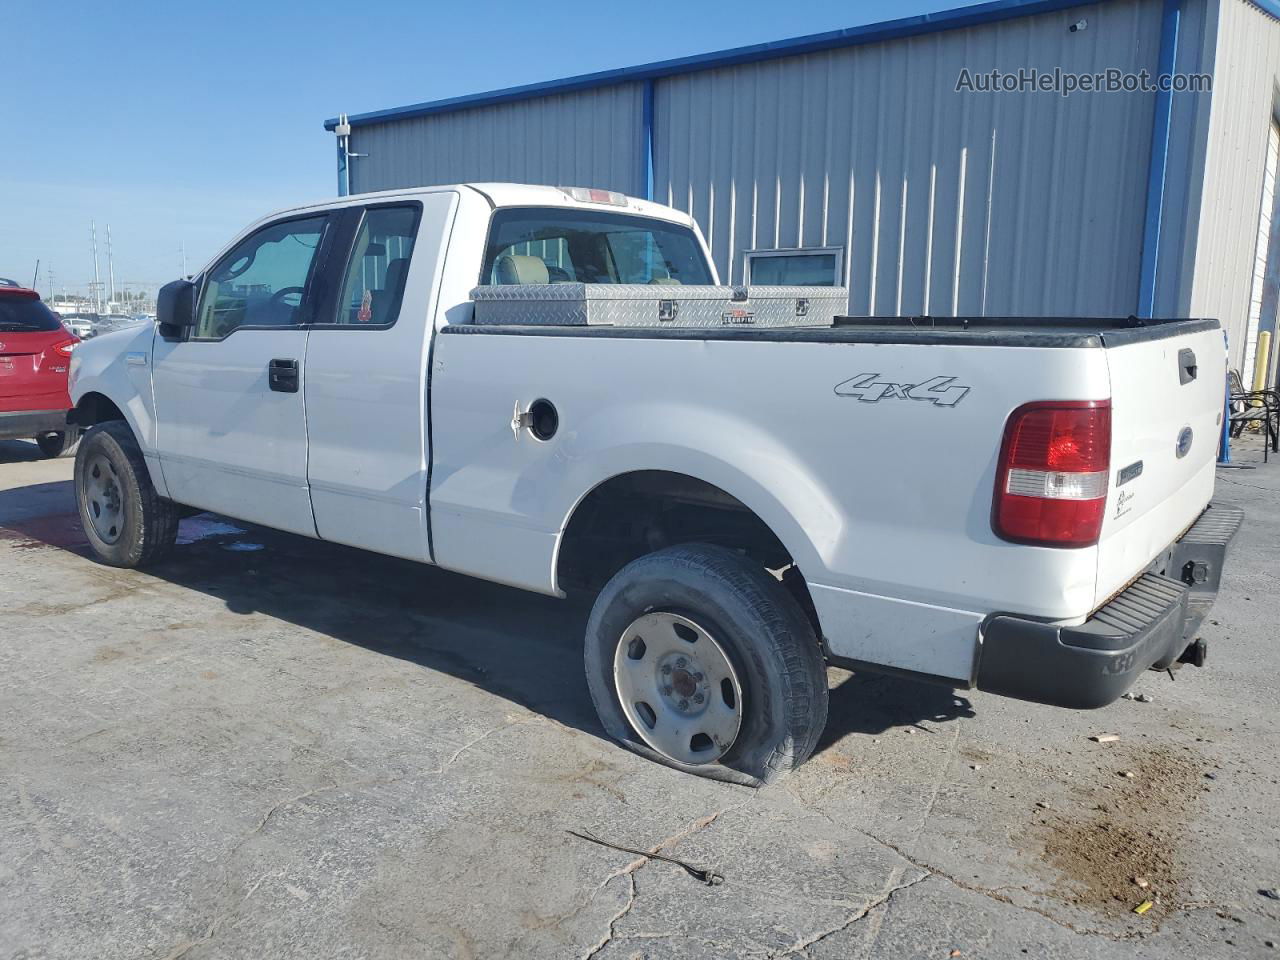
(1020, 505)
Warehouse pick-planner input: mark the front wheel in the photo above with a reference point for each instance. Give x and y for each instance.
(698, 658)
(127, 523)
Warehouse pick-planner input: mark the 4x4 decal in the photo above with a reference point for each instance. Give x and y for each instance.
(937, 390)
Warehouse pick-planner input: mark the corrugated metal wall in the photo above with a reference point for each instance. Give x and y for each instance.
(1184, 179)
(1244, 101)
(948, 203)
(588, 138)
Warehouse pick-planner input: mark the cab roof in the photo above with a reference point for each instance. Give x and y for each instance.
(507, 195)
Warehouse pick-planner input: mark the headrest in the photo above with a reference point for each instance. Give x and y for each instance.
(512, 268)
(395, 273)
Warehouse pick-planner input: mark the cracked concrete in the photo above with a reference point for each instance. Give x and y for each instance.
(802, 946)
(309, 752)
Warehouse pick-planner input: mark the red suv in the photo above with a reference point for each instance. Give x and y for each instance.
(35, 351)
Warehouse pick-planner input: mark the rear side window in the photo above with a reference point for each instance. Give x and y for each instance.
(25, 315)
(374, 287)
(554, 245)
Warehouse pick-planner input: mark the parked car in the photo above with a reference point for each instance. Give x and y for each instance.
(1020, 505)
(81, 324)
(110, 322)
(35, 352)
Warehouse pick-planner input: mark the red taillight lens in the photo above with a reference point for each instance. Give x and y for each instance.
(1051, 482)
(66, 346)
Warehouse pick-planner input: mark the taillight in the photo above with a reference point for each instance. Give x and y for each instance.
(66, 346)
(1051, 482)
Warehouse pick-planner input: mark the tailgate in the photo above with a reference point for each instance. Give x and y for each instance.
(20, 364)
(1166, 418)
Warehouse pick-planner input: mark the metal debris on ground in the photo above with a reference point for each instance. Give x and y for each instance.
(1144, 906)
(1105, 737)
(709, 877)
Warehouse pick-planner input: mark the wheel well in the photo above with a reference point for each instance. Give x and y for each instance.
(95, 408)
(638, 513)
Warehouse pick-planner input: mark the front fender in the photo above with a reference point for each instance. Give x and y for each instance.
(117, 366)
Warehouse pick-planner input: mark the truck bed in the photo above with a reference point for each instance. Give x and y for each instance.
(883, 501)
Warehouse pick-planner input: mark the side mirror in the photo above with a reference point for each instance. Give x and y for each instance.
(176, 308)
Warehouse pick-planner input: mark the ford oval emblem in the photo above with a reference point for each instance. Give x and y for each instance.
(1184, 442)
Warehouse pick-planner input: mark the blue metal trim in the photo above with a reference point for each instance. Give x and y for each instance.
(990, 12)
(646, 140)
(343, 186)
(1267, 6)
(1158, 164)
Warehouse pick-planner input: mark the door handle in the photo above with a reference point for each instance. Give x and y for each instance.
(1186, 365)
(282, 376)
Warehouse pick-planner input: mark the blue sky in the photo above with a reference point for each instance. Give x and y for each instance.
(181, 122)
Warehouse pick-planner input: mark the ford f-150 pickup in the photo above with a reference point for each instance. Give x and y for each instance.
(1017, 505)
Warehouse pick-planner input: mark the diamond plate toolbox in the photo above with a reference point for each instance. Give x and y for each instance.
(646, 305)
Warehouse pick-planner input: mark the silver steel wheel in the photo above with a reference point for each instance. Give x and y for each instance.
(103, 499)
(678, 688)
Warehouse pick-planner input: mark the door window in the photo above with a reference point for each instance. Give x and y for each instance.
(262, 282)
(374, 286)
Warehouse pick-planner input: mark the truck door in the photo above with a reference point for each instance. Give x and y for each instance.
(231, 432)
(366, 398)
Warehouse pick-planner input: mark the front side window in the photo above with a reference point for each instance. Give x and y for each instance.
(374, 286)
(556, 245)
(262, 282)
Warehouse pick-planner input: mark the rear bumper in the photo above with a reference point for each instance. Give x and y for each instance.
(30, 423)
(1147, 625)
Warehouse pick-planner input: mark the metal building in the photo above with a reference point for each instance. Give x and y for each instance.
(857, 148)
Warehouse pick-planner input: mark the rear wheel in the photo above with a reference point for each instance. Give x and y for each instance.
(697, 658)
(127, 523)
(61, 444)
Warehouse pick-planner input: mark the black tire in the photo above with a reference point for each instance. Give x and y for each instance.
(764, 633)
(148, 522)
(58, 444)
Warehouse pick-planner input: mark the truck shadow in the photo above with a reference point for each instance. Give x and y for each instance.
(19, 451)
(520, 646)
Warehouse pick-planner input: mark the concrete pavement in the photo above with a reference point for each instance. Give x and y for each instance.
(272, 747)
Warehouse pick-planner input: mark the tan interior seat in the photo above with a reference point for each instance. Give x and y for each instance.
(514, 268)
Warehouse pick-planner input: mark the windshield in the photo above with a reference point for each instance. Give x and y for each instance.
(558, 245)
(25, 315)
